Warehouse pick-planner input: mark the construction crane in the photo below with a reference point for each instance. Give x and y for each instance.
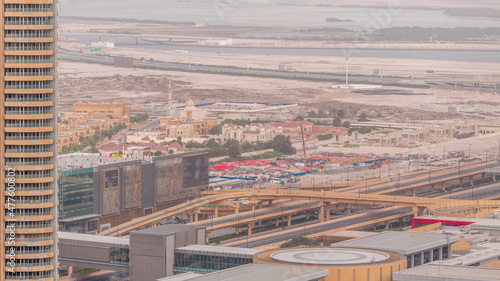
(303, 141)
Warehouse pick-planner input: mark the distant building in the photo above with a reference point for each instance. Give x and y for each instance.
(191, 126)
(117, 111)
(216, 42)
(101, 44)
(250, 133)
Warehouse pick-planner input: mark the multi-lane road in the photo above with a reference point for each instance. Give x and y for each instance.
(73, 56)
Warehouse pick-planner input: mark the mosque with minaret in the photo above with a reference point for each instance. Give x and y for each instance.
(185, 121)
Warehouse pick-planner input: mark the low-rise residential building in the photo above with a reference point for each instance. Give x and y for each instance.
(251, 132)
(294, 130)
(199, 126)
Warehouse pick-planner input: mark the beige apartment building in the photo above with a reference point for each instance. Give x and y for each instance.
(117, 111)
(28, 140)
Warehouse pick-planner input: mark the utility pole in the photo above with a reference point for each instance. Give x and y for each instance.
(347, 71)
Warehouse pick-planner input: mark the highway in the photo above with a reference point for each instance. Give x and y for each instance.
(320, 227)
(257, 241)
(72, 56)
(419, 178)
(276, 208)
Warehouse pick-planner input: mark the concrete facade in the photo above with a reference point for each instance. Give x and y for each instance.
(152, 250)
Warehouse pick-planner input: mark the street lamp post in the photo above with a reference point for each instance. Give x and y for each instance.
(366, 182)
(430, 172)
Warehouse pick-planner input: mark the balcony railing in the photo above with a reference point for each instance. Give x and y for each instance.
(36, 226)
(48, 48)
(31, 112)
(31, 36)
(28, 74)
(21, 138)
(36, 277)
(34, 22)
(28, 10)
(33, 201)
(33, 214)
(20, 61)
(27, 150)
(40, 188)
(34, 177)
(28, 125)
(39, 239)
(29, 163)
(29, 99)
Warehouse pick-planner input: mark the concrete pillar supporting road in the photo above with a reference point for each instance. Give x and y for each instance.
(432, 187)
(327, 207)
(259, 223)
(70, 270)
(260, 205)
(191, 217)
(321, 213)
(236, 211)
(412, 261)
(249, 229)
(308, 215)
(414, 193)
(289, 220)
(415, 210)
(387, 225)
(374, 227)
(216, 211)
(494, 177)
(207, 237)
(253, 207)
(443, 186)
(472, 180)
(237, 230)
(196, 218)
(277, 222)
(270, 203)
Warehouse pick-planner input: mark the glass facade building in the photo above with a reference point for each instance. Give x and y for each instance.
(208, 261)
(75, 196)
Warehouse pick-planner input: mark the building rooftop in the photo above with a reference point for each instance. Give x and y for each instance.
(256, 272)
(477, 255)
(476, 223)
(432, 272)
(351, 233)
(92, 238)
(219, 249)
(76, 161)
(329, 257)
(400, 242)
(166, 229)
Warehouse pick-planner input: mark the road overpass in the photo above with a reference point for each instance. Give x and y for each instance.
(326, 198)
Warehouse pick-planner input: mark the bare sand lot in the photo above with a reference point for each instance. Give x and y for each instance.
(100, 83)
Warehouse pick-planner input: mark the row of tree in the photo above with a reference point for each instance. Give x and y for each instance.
(234, 149)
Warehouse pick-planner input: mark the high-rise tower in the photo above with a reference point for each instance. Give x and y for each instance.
(27, 139)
